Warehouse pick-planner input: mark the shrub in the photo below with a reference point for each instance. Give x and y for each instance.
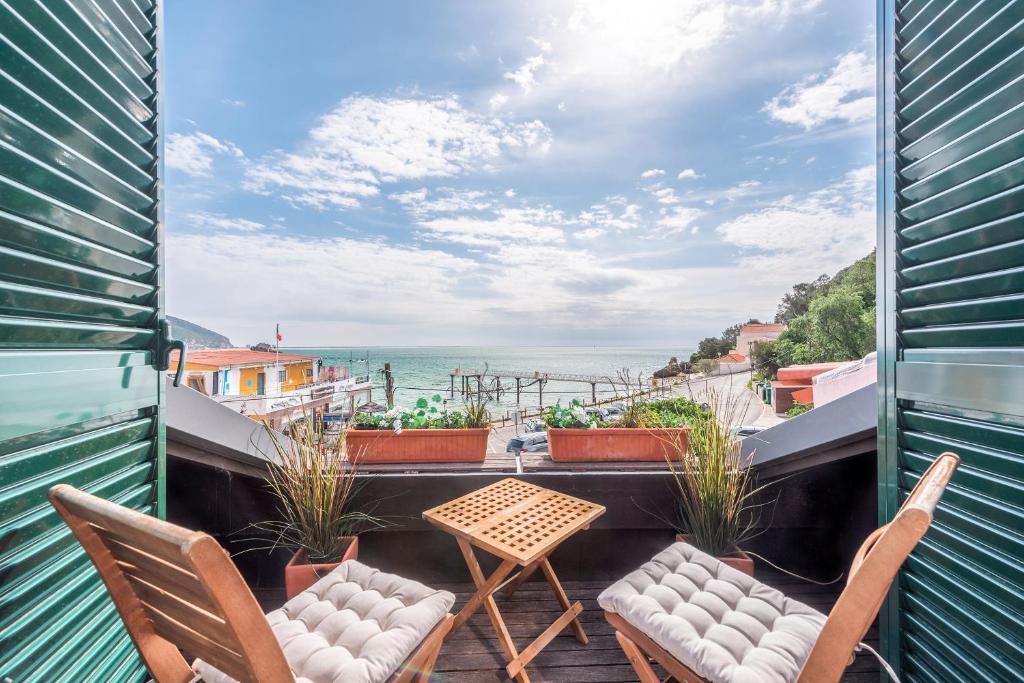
(799, 409)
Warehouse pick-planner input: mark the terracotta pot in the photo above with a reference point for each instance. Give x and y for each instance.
(738, 560)
(417, 445)
(300, 574)
(615, 444)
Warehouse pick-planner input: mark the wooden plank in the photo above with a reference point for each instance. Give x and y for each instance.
(562, 598)
(197, 645)
(527, 654)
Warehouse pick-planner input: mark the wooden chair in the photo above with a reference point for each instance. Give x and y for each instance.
(177, 589)
(871, 574)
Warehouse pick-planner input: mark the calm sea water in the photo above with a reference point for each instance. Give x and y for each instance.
(424, 371)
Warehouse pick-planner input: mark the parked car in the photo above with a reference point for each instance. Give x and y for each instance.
(744, 431)
(530, 442)
(614, 410)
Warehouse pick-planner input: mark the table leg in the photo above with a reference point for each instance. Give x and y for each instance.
(484, 588)
(563, 599)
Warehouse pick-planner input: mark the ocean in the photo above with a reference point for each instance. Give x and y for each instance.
(421, 371)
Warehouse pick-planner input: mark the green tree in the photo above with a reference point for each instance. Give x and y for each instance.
(711, 347)
(764, 357)
(795, 303)
(841, 329)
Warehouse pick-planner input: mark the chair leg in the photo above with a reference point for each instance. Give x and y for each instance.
(638, 659)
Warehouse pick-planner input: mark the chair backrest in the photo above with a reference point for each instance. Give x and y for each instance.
(175, 590)
(872, 572)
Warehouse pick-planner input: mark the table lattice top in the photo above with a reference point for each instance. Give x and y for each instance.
(514, 519)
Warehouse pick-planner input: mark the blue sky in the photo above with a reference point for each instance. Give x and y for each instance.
(463, 173)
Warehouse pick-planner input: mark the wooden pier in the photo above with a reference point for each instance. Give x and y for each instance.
(531, 377)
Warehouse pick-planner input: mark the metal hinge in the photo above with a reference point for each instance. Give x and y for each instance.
(167, 344)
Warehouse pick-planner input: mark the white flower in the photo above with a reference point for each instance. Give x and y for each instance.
(579, 414)
(398, 426)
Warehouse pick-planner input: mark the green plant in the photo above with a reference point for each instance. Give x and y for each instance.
(427, 414)
(315, 489)
(574, 416)
(799, 409)
(714, 483)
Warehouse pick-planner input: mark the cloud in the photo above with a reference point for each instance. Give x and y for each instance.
(233, 102)
(607, 44)
(687, 174)
(365, 142)
(664, 195)
(193, 153)
(588, 233)
(678, 220)
(524, 76)
(652, 173)
(218, 221)
(806, 235)
(423, 203)
(347, 274)
(845, 93)
(532, 225)
(497, 101)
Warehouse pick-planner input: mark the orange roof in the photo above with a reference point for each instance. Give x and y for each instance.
(733, 358)
(223, 358)
(804, 373)
(762, 327)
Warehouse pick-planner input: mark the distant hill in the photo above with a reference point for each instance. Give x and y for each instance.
(197, 337)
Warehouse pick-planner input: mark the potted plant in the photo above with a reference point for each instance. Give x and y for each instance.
(645, 431)
(315, 489)
(429, 432)
(715, 487)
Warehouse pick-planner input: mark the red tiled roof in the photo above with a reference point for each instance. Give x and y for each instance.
(762, 327)
(231, 357)
(733, 358)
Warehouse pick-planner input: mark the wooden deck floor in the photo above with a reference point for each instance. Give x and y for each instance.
(472, 654)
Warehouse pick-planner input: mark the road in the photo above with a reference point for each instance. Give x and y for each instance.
(747, 407)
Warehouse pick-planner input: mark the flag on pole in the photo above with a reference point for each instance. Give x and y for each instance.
(279, 333)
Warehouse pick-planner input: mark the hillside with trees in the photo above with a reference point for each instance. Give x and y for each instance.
(828, 319)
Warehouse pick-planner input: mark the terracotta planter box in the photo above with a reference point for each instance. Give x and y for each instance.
(300, 574)
(739, 560)
(417, 445)
(614, 444)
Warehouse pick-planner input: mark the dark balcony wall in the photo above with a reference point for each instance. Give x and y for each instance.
(819, 520)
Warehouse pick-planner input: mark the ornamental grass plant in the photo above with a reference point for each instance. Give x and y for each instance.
(315, 489)
(716, 489)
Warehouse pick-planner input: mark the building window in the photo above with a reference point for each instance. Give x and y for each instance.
(309, 372)
(282, 376)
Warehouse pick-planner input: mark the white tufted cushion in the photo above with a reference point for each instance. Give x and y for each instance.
(355, 625)
(722, 624)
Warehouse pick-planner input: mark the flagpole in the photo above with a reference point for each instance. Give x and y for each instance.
(277, 344)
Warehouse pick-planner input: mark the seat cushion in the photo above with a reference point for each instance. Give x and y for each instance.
(355, 625)
(722, 624)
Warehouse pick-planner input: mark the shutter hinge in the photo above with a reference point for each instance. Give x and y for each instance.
(167, 344)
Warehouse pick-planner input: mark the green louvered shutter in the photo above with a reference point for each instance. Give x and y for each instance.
(951, 245)
(80, 318)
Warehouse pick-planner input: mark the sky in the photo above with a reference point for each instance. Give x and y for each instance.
(511, 173)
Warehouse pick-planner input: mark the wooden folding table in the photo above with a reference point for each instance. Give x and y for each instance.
(522, 524)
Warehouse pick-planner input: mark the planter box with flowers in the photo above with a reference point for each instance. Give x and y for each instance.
(427, 433)
(646, 432)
